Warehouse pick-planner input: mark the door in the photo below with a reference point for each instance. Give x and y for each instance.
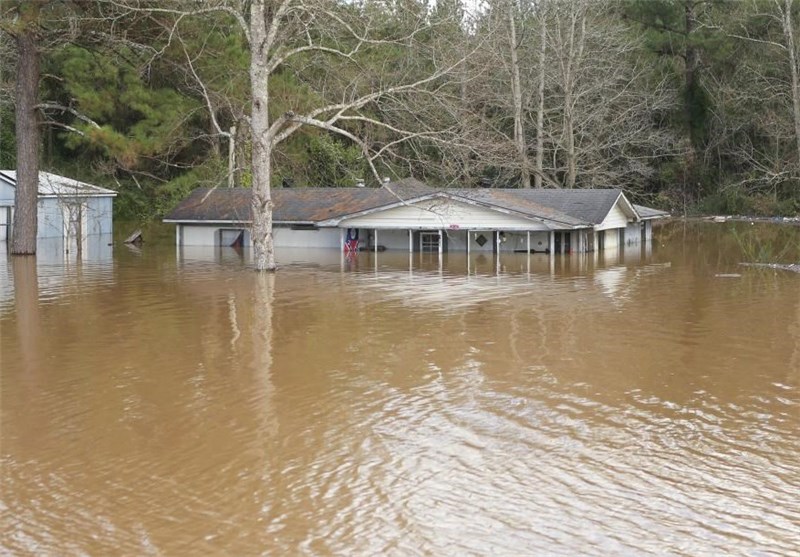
(429, 241)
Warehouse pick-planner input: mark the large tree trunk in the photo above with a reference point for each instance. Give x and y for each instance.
(516, 93)
(537, 179)
(23, 241)
(263, 248)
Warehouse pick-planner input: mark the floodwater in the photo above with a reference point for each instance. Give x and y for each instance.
(646, 403)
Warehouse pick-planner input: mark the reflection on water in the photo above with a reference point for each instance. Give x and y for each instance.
(630, 404)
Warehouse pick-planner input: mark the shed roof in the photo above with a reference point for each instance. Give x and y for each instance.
(53, 185)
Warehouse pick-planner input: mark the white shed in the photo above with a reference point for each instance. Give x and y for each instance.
(67, 209)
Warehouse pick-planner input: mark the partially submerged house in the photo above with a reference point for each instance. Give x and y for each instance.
(67, 209)
(409, 215)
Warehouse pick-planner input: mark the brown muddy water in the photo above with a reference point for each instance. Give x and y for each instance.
(646, 403)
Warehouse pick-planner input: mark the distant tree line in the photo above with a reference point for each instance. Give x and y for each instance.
(690, 105)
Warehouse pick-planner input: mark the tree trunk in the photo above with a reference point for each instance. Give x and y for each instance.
(516, 93)
(537, 179)
(695, 112)
(263, 247)
(790, 46)
(23, 241)
(573, 62)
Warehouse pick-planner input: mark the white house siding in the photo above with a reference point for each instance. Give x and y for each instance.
(616, 218)
(285, 237)
(443, 214)
(198, 235)
(207, 235)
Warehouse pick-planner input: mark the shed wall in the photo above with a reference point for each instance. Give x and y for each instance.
(51, 219)
(6, 193)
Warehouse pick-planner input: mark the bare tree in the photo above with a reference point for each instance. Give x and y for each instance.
(758, 124)
(600, 106)
(334, 38)
(542, 79)
(516, 94)
(791, 51)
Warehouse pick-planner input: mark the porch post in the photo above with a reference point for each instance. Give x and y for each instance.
(341, 249)
(469, 232)
(529, 242)
(552, 239)
(440, 242)
(410, 241)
